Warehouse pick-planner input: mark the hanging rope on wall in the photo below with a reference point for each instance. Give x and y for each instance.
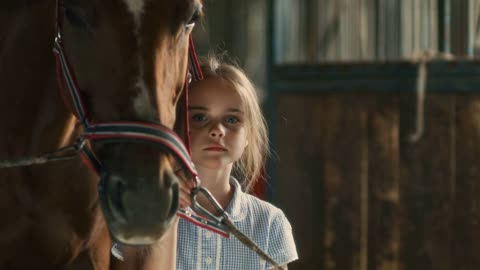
(423, 59)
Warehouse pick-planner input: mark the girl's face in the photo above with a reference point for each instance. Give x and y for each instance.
(217, 124)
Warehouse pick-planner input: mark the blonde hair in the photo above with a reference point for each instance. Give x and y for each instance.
(249, 168)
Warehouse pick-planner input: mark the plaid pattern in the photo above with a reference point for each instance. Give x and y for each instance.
(198, 248)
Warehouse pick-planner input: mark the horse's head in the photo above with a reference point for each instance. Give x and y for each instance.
(129, 58)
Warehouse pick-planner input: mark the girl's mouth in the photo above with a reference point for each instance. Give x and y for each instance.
(215, 148)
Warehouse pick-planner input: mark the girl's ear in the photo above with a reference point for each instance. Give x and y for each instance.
(246, 143)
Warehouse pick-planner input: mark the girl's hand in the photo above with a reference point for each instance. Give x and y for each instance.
(186, 185)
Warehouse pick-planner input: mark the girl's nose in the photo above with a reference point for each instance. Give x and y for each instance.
(217, 131)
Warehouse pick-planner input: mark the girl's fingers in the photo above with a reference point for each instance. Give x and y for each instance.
(185, 189)
(185, 200)
(186, 186)
(184, 204)
(183, 178)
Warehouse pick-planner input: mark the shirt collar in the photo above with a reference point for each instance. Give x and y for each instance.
(236, 208)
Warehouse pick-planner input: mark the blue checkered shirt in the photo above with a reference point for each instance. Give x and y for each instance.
(198, 248)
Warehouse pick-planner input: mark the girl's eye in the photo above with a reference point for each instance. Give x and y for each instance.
(232, 120)
(199, 117)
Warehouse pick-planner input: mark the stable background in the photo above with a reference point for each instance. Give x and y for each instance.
(338, 81)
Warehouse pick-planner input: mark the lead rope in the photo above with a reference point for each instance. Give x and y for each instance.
(225, 220)
(64, 153)
(423, 58)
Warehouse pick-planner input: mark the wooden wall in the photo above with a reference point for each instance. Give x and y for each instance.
(360, 195)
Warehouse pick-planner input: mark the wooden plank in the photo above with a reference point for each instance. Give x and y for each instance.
(299, 184)
(321, 146)
(466, 223)
(426, 178)
(344, 136)
(383, 181)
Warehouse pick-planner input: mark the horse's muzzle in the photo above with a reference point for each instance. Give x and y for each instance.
(138, 211)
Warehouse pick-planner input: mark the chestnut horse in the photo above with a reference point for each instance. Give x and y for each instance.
(128, 60)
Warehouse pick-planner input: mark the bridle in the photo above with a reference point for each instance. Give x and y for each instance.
(134, 131)
(138, 131)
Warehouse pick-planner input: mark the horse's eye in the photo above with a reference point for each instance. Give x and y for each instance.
(195, 16)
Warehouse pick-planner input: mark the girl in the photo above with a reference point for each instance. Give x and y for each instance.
(229, 144)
